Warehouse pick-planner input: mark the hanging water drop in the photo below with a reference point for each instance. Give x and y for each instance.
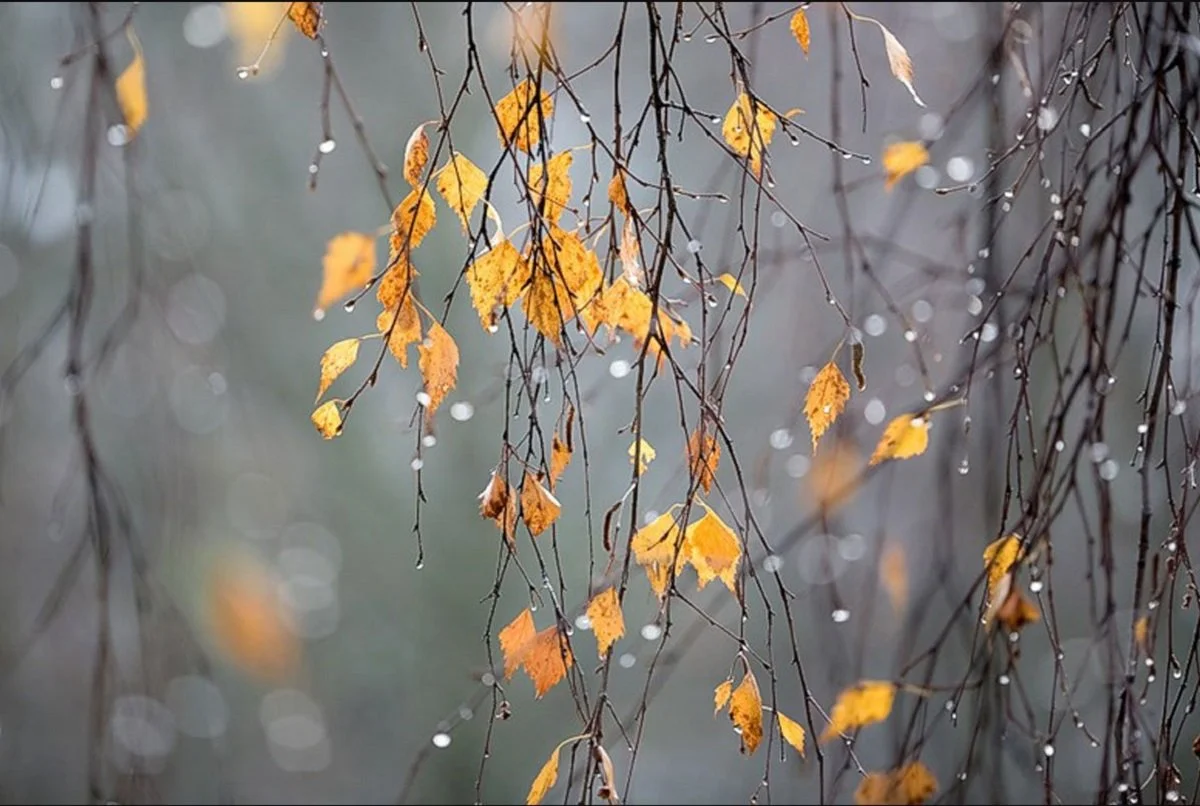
(243, 73)
(840, 616)
(56, 82)
(349, 306)
(318, 314)
(327, 146)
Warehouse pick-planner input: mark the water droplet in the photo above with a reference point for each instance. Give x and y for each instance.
(964, 467)
(1047, 118)
(781, 439)
(962, 776)
(715, 119)
(1098, 451)
(1152, 604)
(118, 135)
(419, 565)
(865, 160)
(56, 82)
(318, 314)
(585, 118)
(462, 411)
(429, 440)
(1036, 585)
(1172, 796)
(1179, 408)
(1172, 546)
(798, 465)
(1109, 470)
(985, 252)
(711, 38)
(693, 246)
(423, 398)
(627, 660)
(418, 463)
(1003, 680)
(1048, 750)
(313, 168)
(772, 563)
(243, 73)
(349, 306)
(327, 146)
(910, 335)
(618, 368)
(1059, 445)
(840, 616)
(651, 632)
(441, 740)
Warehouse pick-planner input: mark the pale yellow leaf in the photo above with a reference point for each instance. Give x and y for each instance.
(131, 88)
(792, 732)
(328, 419)
(899, 61)
(745, 711)
(416, 154)
(862, 704)
(825, 401)
(901, 159)
(522, 114)
(731, 282)
(608, 622)
(905, 437)
(539, 508)
(803, 35)
(643, 453)
(721, 695)
(336, 360)
(438, 360)
(462, 184)
(545, 780)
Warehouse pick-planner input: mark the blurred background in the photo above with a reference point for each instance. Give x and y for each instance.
(285, 646)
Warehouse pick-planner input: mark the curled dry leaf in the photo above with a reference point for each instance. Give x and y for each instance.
(462, 185)
(792, 732)
(306, 17)
(826, 399)
(862, 704)
(910, 785)
(608, 622)
(499, 504)
(438, 361)
(858, 354)
(617, 192)
(1017, 611)
(899, 61)
(522, 114)
(721, 695)
(800, 30)
(642, 453)
(560, 457)
(347, 266)
(336, 360)
(416, 154)
(328, 419)
(905, 437)
(745, 711)
(131, 88)
(629, 254)
(539, 508)
(999, 558)
(608, 774)
(901, 159)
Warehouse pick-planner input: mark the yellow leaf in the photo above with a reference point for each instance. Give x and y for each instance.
(306, 17)
(803, 37)
(1017, 611)
(748, 128)
(131, 88)
(250, 26)
(893, 575)
(246, 620)
(406, 331)
(497, 503)
(539, 509)
(515, 639)
(328, 419)
(721, 695)
(552, 183)
(905, 437)
(862, 704)
(336, 360)
(745, 711)
(462, 184)
(1141, 633)
(834, 475)
(347, 266)
(544, 781)
(643, 455)
(567, 277)
(826, 399)
(545, 307)
(412, 220)
(713, 550)
(704, 454)
(546, 659)
(731, 282)
(496, 279)
(396, 282)
(608, 622)
(560, 457)
(999, 558)
(416, 154)
(521, 115)
(438, 360)
(910, 785)
(792, 733)
(656, 541)
(901, 159)
(617, 193)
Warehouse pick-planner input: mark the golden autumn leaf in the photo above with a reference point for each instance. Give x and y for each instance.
(412, 220)
(566, 277)
(328, 419)
(905, 437)
(1141, 633)
(539, 508)
(834, 475)
(910, 785)
(1017, 611)
(515, 638)
(336, 360)
(545, 780)
(893, 576)
(617, 192)
(704, 454)
(901, 64)
(721, 695)
(656, 541)
(546, 660)
(825, 401)
(608, 622)
(560, 457)
(306, 17)
(864, 703)
(999, 558)
(348, 265)
(438, 360)
(731, 282)
(416, 154)
(246, 620)
(801, 32)
(496, 279)
(499, 504)
(462, 184)
(131, 88)
(522, 114)
(546, 307)
(792, 732)
(713, 549)
(405, 331)
(745, 711)
(901, 159)
(396, 282)
(643, 453)
(748, 128)
(551, 182)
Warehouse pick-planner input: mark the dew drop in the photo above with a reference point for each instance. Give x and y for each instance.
(462, 411)
(618, 368)
(585, 118)
(420, 565)
(772, 563)
(313, 168)
(243, 73)
(429, 440)
(964, 467)
(423, 398)
(327, 146)
(781, 439)
(56, 82)
(349, 306)
(1048, 749)
(318, 314)
(651, 632)
(1036, 585)
(1179, 408)
(1003, 680)
(711, 38)
(985, 252)
(441, 740)
(840, 616)
(493, 328)
(418, 463)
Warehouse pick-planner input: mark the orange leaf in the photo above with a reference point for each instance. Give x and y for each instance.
(656, 541)
(515, 639)
(893, 575)
(416, 154)
(539, 508)
(497, 503)
(792, 732)
(604, 611)
(905, 437)
(131, 88)
(862, 704)
(834, 475)
(704, 453)
(328, 419)
(566, 277)
(745, 710)
(306, 17)
(462, 184)
(999, 558)
(406, 331)
(336, 360)
(545, 780)
(246, 620)
(438, 360)
(901, 159)
(826, 399)
(560, 457)
(800, 30)
(1017, 611)
(1141, 633)
(552, 183)
(521, 115)
(910, 785)
(546, 660)
(721, 695)
(617, 193)
(748, 128)
(347, 266)
(713, 550)
(412, 220)
(496, 279)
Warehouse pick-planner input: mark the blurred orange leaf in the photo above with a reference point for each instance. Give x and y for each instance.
(416, 154)
(247, 621)
(825, 401)
(131, 87)
(792, 732)
(745, 711)
(1017, 611)
(521, 115)
(462, 184)
(864, 703)
(328, 419)
(608, 622)
(336, 360)
(893, 575)
(438, 360)
(910, 785)
(905, 436)
(834, 475)
(347, 266)
(901, 159)
(539, 508)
